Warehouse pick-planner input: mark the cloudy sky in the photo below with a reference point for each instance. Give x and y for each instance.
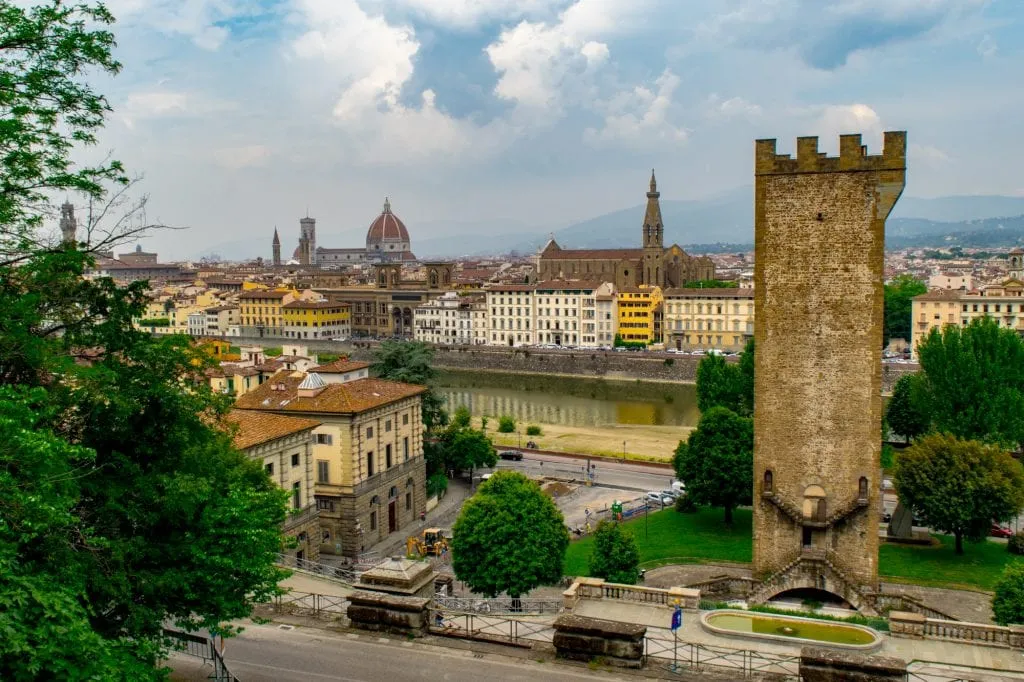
(243, 114)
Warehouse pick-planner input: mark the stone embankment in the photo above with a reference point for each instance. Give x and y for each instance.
(582, 363)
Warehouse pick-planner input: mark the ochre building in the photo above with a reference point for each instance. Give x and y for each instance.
(653, 264)
(819, 238)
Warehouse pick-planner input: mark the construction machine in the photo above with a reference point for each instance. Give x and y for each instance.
(432, 542)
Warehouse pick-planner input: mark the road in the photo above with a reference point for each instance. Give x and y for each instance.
(607, 472)
(265, 653)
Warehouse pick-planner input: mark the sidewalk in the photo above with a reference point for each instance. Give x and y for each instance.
(441, 516)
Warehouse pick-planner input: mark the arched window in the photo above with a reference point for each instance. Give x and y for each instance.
(862, 488)
(767, 481)
(812, 494)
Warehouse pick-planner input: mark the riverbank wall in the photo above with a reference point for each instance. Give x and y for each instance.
(629, 366)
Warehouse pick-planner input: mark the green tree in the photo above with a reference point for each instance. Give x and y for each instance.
(746, 371)
(1008, 600)
(615, 556)
(903, 413)
(717, 460)
(724, 384)
(471, 449)
(411, 362)
(506, 424)
(461, 418)
(973, 385)
(898, 296)
(509, 538)
(960, 486)
(710, 284)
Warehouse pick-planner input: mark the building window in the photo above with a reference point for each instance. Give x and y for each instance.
(408, 501)
(373, 520)
(387, 426)
(369, 463)
(369, 432)
(405, 448)
(323, 471)
(387, 456)
(297, 495)
(324, 439)
(270, 469)
(295, 460)
(405, 419)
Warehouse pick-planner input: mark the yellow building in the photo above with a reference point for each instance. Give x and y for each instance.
(708, 318)
(316, 319)
(262, 308)
(638, 307)
(941, 307)
(368, 450)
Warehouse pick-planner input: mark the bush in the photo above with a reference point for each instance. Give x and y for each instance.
(325, 358)
(615, 556)
(272, 352)
(670, 361)
(1016, 544)
(888, 456)
(533, 430)
(506, 424)
(155, 322)
(437, 484)
(685, 505)
(1008, 601)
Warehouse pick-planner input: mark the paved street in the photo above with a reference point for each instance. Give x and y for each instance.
(265, 653)
(607, 473)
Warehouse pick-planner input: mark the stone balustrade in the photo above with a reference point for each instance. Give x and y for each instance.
(918, 626)
(588, 639)
(597, 588)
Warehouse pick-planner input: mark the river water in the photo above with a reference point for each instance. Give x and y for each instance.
(569, 401)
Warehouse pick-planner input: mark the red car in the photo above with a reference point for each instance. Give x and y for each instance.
(1000, 532)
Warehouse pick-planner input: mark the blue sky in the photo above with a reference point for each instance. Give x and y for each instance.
(242, 114)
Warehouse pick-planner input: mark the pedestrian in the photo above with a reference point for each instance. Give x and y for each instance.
(423, 516)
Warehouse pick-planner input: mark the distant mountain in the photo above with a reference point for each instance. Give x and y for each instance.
(992, 232)
(958, 208)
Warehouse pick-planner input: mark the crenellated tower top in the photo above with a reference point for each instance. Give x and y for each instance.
(852, 157)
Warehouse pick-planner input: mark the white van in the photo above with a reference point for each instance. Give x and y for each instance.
(679, 487)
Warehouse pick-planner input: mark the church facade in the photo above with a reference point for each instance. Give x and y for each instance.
(387, 241)
(653, 264)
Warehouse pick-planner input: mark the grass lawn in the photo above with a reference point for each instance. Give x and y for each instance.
(674, 538)
(939, 566)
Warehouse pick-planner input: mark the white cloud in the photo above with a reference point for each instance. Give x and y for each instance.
(926, 154)
(641, 117)
(163, 103)
(234, 158)
(839, 119)
(734, 107)
(466, 14)
(198, 20)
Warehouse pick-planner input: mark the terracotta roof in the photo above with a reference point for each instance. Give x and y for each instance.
(262, 293)
(255, 428)
(510, 287)
(722, 292)
(238, 370)
(388, 227)
(594, 254)
(940, 295)
(280, 392)
(564, 284)
(340, 366)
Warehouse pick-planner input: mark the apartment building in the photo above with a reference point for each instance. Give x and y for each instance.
(708, 318)
(941, 307)
(510, 311)
(316, 319)
(284, 445)
(368, 450)
(566, 313)
(607, 314)
(219, 319)
(638, 309)
(447, 319)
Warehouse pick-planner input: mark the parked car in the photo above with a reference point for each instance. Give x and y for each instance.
(659, 498)
(1000, 531)
(514, 455)
(672, 493)
(679, 487)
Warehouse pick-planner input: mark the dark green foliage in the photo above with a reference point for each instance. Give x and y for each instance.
(710, 284)
(898, 297)
(506, 424)
(1015, 545)
(1008, 601)
(437, 484)
(412, 362)
(509, 537)
(903, 413)
(471, 449)
(620, 343)
(888, 457)
(973, 384)
(685, 505)
(717, 461)
(155, 322)
(273, 351)
(669, 362)
(960, 486)
(724, 384)
(533, 430)
(461, 418)
(615, 556)
(325, 358)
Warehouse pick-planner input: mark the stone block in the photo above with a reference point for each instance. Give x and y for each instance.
(388, 613)
(906, 624)
(586, 639)
(818, 664)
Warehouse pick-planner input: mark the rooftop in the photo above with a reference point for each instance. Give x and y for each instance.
(724, 292)
(255, 428)
(281, 392)
(340, 366)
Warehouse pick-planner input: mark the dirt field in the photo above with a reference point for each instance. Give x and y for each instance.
(645, 441)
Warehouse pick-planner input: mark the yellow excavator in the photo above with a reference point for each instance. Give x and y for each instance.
(432, 542)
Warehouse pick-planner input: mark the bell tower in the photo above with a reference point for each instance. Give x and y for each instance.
(276, 244)
(68, 224)
(652, 271)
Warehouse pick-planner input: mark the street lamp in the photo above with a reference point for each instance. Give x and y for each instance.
(623, 452)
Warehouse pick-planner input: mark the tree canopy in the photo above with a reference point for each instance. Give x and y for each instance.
(725, 384)
(1008, 600)
(903, 414)
(509, 537)
(973, 382)
(959, 486)
(898, 302)
(615, 556)
(412, 362)
(717, 461)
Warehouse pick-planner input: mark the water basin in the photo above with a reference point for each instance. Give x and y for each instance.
(790, 629)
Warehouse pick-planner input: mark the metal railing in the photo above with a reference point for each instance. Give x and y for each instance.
(501, 605)
(743, 663)
(337, 574)
(489, 628)
(310, 603)
(925, 676)
(204, 648)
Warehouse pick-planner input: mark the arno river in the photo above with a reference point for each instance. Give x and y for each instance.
(569, 401)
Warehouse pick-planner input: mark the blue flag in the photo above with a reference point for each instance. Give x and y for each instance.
(677, 619)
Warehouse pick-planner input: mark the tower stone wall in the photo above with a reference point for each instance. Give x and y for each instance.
(819, 240)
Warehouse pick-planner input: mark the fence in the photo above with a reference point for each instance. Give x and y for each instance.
(501, 605)
(204, 648)
(489, 628)
(310, 603)
(344, 576)
(744, 663)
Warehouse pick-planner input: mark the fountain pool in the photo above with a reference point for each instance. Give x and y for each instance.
(790, 629)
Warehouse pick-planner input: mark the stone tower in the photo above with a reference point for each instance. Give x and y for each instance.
(276, 244)
(654, 246)
(819, 233)
(1016, 263)
(68, 224)
(307, 241)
